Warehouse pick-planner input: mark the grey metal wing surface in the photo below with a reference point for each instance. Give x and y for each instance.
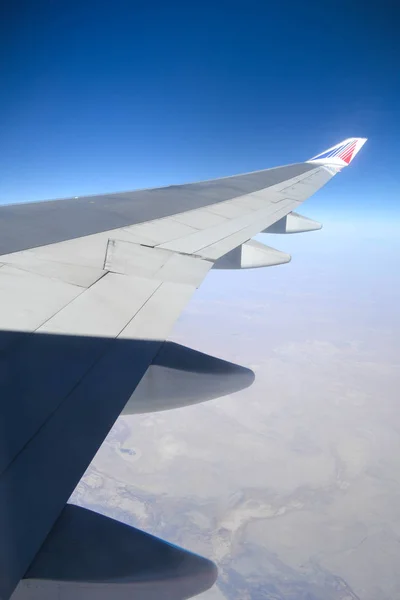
(89, 290)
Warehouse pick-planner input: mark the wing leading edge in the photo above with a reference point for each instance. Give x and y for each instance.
(85, 308)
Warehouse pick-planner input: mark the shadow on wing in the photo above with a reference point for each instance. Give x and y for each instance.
(60, 396)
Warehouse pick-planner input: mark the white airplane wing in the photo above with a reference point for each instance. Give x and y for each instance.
(90, 288)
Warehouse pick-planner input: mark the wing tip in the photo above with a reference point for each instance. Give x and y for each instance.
(341, 154)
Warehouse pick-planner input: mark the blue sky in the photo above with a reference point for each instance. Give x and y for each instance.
(101, 96)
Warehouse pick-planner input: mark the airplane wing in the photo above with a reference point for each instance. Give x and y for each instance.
(90, 288)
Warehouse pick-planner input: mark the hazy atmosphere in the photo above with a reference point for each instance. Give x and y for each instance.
(292, 485)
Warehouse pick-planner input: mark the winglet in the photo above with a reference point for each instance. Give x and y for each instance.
(342, 154)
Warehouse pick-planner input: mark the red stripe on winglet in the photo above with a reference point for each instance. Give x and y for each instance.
(346, 156)
(349, 149)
